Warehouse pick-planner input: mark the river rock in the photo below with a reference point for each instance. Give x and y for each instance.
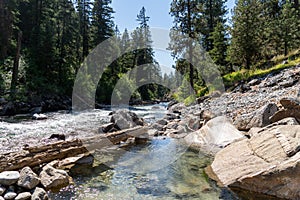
(267, 164)
(28, 179)
(57, 137)
(171, 116)
(290, 103)
(2, 190)
(162, 122)
(9, 177)
(39, 194)
(158, 127)
(54, 179)
(10, 195)
(259, 118)
(1, 198)
(23, 196)
(215, 135)
(106, 128)
(192, 122)
(9, 109)
(124, 119)
(285, 113)
(39, 116)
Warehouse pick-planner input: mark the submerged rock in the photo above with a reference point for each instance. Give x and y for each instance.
(267, 164)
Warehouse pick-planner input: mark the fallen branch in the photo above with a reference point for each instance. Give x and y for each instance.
(34, 156)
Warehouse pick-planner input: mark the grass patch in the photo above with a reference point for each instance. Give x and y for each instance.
(245, 75)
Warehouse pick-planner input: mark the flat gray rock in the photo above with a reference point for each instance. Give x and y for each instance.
(9, 177)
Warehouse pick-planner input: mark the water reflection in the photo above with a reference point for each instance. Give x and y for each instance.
(142, 173)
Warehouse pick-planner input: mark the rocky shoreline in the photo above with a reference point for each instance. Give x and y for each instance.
(253, 134)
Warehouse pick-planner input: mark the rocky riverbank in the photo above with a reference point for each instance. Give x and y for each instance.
(35, 104)
(253, 133)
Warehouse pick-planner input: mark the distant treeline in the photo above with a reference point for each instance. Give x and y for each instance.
(44, 42)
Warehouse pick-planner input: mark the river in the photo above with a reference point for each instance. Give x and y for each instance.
(164, 168)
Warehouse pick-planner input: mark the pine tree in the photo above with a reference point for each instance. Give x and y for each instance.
(102, 24)
(247, 28)
(187, 20)
(220, 43)
(84, 11)
(214, 13)
(289, 31)
(144, 54)
(7, 18)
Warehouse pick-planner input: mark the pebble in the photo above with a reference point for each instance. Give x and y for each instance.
(23, 196)
(10, 195)
(9, 177)
(2, 190)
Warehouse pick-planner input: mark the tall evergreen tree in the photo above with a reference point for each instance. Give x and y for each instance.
(247, 28)
(188, 19)
(214, 13)
(144, 54)
(84, 8)
(102, 24)
(289, 22)
(219, 40)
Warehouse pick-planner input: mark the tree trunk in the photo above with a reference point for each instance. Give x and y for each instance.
(190, 46)
(35, 156)
(15, 71)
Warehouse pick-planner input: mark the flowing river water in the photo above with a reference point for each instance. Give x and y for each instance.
(164, 168)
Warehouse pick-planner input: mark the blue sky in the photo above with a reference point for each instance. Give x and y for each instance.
(158, 11)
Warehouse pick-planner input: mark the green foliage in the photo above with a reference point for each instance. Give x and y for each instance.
(235, 77)
(247, 28)
(220, 44)
(197, 20)
(262, 30)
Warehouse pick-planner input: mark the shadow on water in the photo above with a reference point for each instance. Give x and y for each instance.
(151, 171)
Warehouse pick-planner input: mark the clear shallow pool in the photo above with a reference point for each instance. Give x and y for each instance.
(163, 169)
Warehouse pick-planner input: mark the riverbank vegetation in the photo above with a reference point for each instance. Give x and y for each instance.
(43, 44)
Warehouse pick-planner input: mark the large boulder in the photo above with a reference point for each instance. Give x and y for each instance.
(28, 179)
(259, 118)
(215, 135)
(9, 177)
(265, 166)
(54, 179)
(124, 119)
